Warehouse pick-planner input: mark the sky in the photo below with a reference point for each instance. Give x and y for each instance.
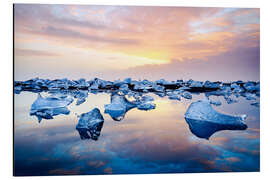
(115, 42)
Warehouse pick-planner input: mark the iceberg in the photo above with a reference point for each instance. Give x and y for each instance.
(186, 95)
(196, 84)
(252, 86)
(147, 98)
(229, 99)
(17, 89)
(81, 97)
(215, 103)
(211, 85)
(48, 107)
(236, 88)
(256, 104)
(124, 88)
(174, 97)
(204, 121)
(90, 124)
(94, 86)
(249, 96)
(119, 106)
(158, 88)
(146, 106)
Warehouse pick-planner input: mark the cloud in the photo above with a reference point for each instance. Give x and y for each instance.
(240, 63)
(29, 52)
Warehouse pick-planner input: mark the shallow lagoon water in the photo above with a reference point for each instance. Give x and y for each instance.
(154, 141)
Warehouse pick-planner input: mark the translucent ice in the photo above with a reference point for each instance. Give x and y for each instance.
(146, 106)
(229, 99)
(81, 97)
(187, 95)
(119, 107)
(252, 86)
(51, 106)
(196, 84)
(209, 84)
(204, 121)
(257, 104)
(249, 96)
(90, 124)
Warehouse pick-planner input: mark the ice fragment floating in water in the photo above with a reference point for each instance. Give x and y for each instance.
(90, 124)
(204, 121)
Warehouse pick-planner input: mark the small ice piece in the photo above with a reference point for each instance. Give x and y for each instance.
(204, 121)
(51, 106)
(196, 84)
(162, 82)
(250, 96)
(91, 122)
(213, 85)
(127, 80)
(186, 95)
(229, 100)
(146, 106)
(53, 86)
(94, 86)
(119, 107)
(124, 88)
(174, 96)
(236, 88)
(184, 88)
(141, 86)
(17, 89)
(257, 104)
(147, 98)
(225, 89)
(81, 97)
(158, 88)
(81, 83)
(215, 103)
(252, 86)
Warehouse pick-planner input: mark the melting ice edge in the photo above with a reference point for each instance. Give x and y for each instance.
(202, 119)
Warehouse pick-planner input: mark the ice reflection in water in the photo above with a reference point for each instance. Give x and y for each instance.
(154, 141)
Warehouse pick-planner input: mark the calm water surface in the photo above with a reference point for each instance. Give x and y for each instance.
(155, 141)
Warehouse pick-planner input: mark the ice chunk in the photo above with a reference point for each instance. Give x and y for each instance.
(236, 88)
(81, 97)
(204, 121)
(91, 122)
(183, 88)
(147, 98)
(229, 99)
(213, 85)
(162, 82)
(249, 96)
(127, 80)
(81, 83)
(158, 88)
(257, 104)
(94, 86)
(17, 89)
(186, 95)
(252, 86)
(215, 103)
(196, 84)
(124, 88)
(146, 106)
(51, 106)
(119, 106)
(174, 96)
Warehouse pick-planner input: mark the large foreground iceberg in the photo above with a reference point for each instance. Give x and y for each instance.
(51, 106)
(91, 122)
(204, 121)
